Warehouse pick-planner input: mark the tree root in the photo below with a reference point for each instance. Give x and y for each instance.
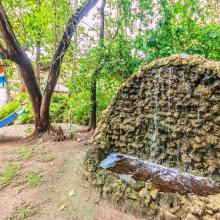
(56, 134)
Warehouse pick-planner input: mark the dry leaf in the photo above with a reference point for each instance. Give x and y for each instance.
(62, 206)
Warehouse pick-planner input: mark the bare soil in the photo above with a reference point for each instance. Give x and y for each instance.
(63, 194)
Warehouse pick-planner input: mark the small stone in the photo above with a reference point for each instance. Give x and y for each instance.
(198, 140)
(71, 193)
(166, 200)
(144, 193)
(207, 116)
(166, 215)
(190, 216)
(153, 208)
(216, 216)
(215, 109)
(154, 193)
(131, 194)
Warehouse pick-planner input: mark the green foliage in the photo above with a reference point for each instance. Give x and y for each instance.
(34, 179)
(9, 173)
(185, 27)
(135, 32)
(26, 153)
(38, 22)
(59, 110)
(8, 108)
(48, 158)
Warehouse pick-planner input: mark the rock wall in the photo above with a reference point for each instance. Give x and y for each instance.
(168, 113)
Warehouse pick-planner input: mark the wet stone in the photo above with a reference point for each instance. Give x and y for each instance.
(163, 178)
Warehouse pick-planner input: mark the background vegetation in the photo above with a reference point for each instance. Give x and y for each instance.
(136, 32)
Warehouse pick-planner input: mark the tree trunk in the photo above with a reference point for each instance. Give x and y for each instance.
(93, 111)
(15, 52)
(92, 122)
(37, 61)
(22, 88)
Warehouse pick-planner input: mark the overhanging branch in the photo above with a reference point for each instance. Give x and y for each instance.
(61, 51)
(7, 33)
(66, 40)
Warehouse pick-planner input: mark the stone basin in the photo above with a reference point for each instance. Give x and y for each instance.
(163, 178)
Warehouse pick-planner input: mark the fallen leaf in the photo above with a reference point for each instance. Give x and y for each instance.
(62, 206)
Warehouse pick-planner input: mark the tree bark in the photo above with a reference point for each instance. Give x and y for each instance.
(16, 53)
(22, 88)
(37, 61)
(93, 111)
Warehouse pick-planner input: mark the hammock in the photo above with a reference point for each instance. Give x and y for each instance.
(12, 117)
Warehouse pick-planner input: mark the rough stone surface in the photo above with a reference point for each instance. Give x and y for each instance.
(167, 113)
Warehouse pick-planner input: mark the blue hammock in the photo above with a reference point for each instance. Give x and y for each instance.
(12, 117)
(2, 81)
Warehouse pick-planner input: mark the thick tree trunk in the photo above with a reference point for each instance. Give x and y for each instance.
(15, 52)
(93, 111)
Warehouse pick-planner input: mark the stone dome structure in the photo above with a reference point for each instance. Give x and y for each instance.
(167, 113)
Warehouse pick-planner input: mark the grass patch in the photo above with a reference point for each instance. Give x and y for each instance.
(34, 179)
(47, 158)
(23, 212)
(26, 153)
(28, 130)
(9, 173)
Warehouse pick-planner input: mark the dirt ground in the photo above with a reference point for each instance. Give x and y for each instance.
(61, 192)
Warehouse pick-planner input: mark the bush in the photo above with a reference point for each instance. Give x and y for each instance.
(8, 108)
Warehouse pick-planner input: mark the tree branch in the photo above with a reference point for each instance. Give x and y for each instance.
(5, 54)
(61, 51)
(12, 44)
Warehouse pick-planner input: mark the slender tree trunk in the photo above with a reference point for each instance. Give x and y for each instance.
(93, 112)
(93, 119)
(37, 61)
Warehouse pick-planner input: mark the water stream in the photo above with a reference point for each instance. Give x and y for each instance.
(164, 178)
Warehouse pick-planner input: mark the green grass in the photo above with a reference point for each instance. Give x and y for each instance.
(9, 173)
(47, 158)
(28, 130)
(26, 153)
(23, 212)
(34, 179)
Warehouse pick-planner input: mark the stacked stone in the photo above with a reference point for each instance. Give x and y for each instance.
(168, 113)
